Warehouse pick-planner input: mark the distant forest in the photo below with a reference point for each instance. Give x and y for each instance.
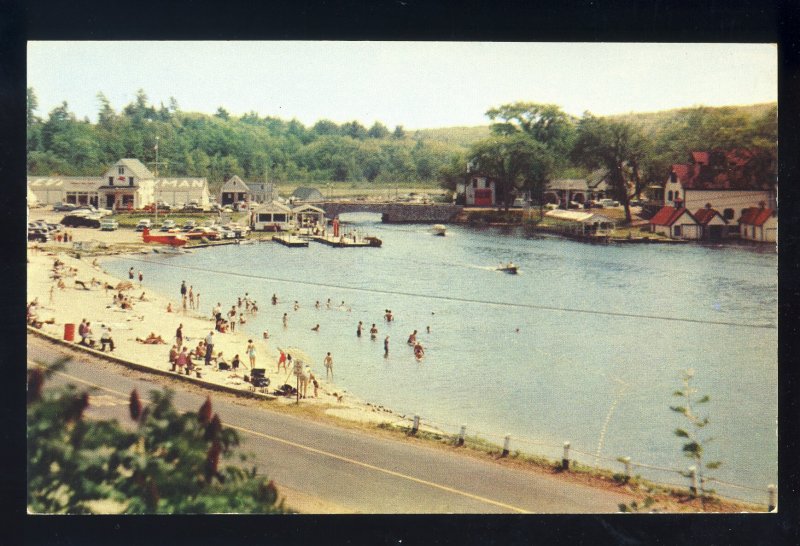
(257, 148)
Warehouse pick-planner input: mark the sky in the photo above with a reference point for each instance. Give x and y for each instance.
(414, 84)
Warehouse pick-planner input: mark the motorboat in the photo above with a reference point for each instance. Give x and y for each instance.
(509, 268)
(439, 229)
(172, 239)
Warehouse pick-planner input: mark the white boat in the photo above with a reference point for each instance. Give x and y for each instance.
(439, 229)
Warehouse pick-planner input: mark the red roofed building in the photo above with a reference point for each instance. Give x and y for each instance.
(714, 227)
(730, 180)
(759, 224)
(677, 223)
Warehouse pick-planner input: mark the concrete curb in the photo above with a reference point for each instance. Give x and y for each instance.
(147, 369)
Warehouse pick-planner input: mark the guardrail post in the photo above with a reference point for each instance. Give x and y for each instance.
(415, 426)
(627, 462)
(693, 478)
(461, 434)
(565, 458)
(505, 445)
(773, 498)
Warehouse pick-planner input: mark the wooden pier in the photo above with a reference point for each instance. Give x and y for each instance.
(347, 242)
(290, 240)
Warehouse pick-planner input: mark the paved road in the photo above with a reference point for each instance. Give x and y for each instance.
(331, 469)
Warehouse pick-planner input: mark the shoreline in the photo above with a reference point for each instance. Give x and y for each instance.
(72, 304)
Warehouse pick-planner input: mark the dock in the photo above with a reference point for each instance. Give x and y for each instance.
(347, 242)
(290, 240)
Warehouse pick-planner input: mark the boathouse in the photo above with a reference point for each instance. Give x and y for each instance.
(676, 223)
(272, 216)
(713, 226)
(759, 224)
(308, 216)
(580, 224)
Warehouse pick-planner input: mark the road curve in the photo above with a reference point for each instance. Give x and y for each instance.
(329, 469)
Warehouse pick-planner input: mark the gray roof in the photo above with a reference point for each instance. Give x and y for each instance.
(572, 184)
(306, 193)
(134, 165)
(234, 183)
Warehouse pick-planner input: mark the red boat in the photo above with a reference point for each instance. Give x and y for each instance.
(172, 239)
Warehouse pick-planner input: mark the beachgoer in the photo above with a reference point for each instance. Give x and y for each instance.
(328, 366)
(239, 302)
(274, 299)
(130, 273)
(235, 362)
(302, 381)
(216, 312)
(316, 305)
(182, 360)
(412, 339)
(328, 303)
(386, 346)
(242, 320)
(173, 357)
(266, 334)
(232, 317)
(296, 305)
(209, 347)
(141, 276)
(285, 320)
(179, 336)
(191, 297)
(197, 301)
(169, 307)
(315, 328)
(419, 352)
(183, 289)
(251, 352)
(254, 308)
(105, 338)
(428, 329)
(314, 382)
(81, 329)
(373, 332)
(358, 330)
(221, 363)
(281, 360)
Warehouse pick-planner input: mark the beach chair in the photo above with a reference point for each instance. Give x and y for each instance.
(258, 379)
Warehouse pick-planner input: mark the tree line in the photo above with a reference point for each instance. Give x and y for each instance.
(528, 145)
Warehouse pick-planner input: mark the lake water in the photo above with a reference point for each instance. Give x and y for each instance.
(586, 344)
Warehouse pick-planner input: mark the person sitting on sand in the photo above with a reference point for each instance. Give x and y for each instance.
(169, 307)
(200, 350)
(235, 362)
(126, 304)
(222, 364)
(151, 339)
(61, 284)
(242, 320)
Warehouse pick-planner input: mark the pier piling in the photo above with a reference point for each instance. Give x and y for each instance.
(565, 458)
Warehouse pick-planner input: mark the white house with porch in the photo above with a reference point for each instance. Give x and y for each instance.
(272, 216)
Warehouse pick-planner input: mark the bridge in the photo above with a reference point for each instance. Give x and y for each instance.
(392, 212)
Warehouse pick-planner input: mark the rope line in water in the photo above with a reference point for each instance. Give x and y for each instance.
(464, 300)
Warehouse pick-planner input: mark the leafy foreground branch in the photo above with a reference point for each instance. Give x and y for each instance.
(168, 463)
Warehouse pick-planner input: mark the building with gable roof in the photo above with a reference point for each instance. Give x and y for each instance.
(233, 191)
(759, 224)
(712, 225)
(730, 180)
(128, 184)
(676, 223)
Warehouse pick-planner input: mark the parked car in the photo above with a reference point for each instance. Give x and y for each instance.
(64, 207)
(609, 203)
(143, 223)
(108, 224)
(189, 226)
(36, 234)
(551, 206)
(73, 220)
(167, 225)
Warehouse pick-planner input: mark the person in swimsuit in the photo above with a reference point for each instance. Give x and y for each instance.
(373, 332)
(251, 352)
(412, 339)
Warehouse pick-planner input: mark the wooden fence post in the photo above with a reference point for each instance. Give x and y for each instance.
(415, 426)
(565, 458)
(627, 462)
(461, 435)
(505, 445)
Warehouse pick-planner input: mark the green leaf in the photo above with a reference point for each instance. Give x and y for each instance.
(678, 393)
(681, 433)
(692, 449)
(678, 409)
(704, 399)
(713, 465)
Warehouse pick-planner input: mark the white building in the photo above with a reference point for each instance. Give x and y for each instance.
(478, 191)
(759, 224)
(676, 223)
(723, 179)
(128, 184)
(272, 216)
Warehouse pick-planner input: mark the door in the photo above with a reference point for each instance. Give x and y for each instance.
(109, 201)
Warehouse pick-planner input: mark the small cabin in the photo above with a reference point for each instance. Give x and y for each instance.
(712, 224)
(759, 224)
(272, 216)
(308, 216)
(676, 223)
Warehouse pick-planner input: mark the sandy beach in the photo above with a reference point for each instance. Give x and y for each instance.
(73, 303)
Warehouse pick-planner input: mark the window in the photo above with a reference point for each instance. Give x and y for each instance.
(130, 181)
(677, 195)
(279, 217)
(677, 231)
(669, 195)
(728, 214)
(110, 180)
(486, 183)
(122, 170)
(474, 182)
(262, 217)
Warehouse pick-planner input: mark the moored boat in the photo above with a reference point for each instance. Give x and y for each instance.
(172, 239)
(439, 229)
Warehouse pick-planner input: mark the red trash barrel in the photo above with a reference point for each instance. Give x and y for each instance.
(69, 332)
